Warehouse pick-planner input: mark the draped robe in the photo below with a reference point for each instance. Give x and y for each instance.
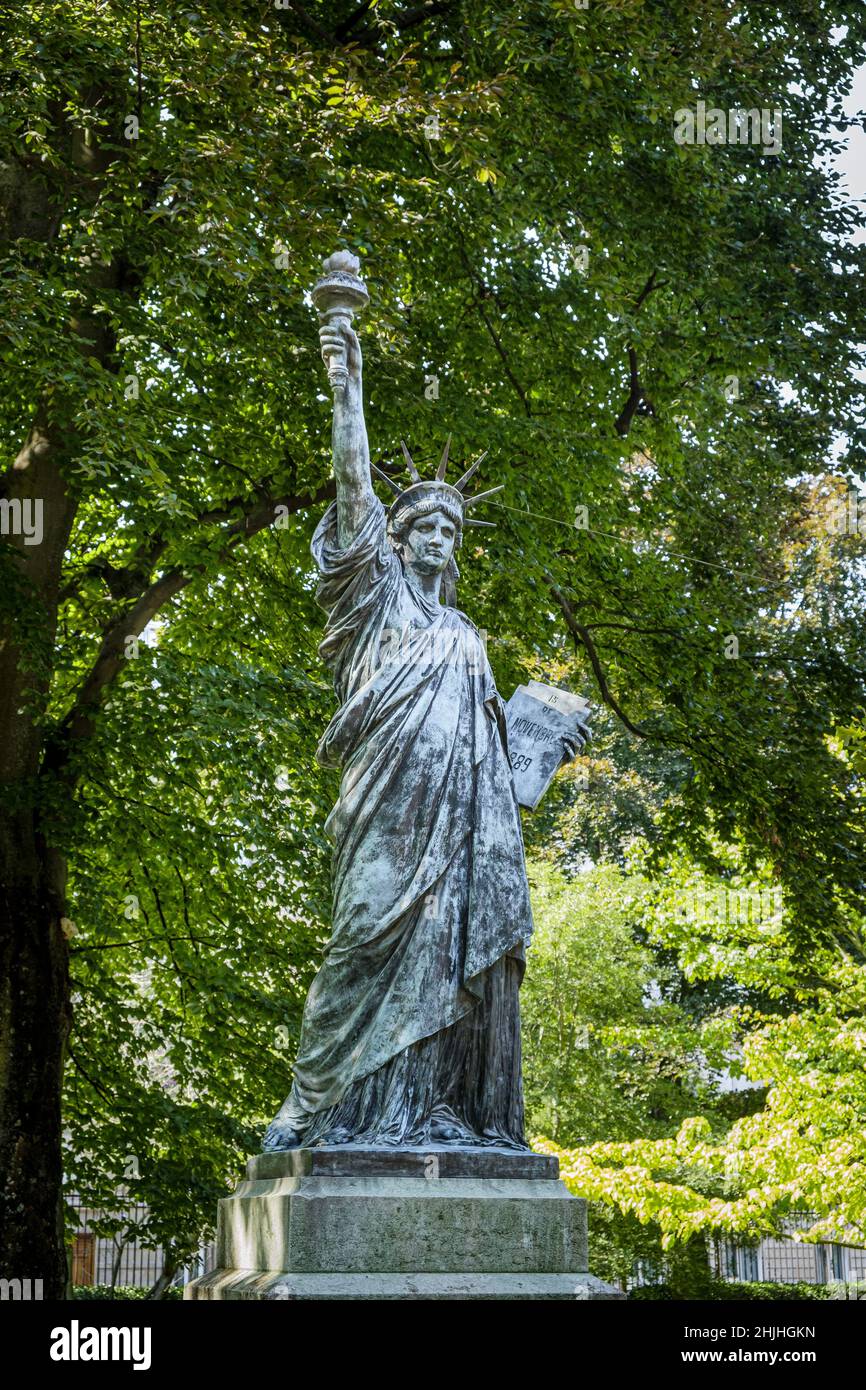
(413, 1015)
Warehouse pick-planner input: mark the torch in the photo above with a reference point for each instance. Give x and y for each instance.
(338, 296)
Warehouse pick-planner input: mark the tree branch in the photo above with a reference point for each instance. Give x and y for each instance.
(477, 280)
(637, 399)
(647, 290)
(343, 30)
(419, 14)
(139, 941)
(627, 627)
(125, 581)
(580, 634)
(401, 22)
(79, 720)
(307, 22)
(501, 350)
(89, 1079)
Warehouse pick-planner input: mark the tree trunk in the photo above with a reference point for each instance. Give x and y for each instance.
(115, 1268)
(35, 1016)
(169, 1270)
(35, 1006)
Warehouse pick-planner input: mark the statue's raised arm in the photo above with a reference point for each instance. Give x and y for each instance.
(337, 296)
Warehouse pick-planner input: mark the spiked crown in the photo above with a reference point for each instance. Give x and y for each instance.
(432, 495)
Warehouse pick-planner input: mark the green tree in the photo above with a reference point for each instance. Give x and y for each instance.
(613, 1051)
(801, 1150)
(608, 1055)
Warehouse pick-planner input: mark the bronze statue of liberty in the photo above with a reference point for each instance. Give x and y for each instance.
(411, 1029)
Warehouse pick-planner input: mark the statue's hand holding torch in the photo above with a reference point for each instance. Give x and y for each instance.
(341, 351)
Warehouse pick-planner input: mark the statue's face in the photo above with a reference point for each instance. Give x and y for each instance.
(430, 542)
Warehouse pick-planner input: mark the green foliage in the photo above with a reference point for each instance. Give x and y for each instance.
(607, 1054)
(122, 1292)
(201, 911)
(803, 1151)
(622, 1250)
(801, 1050)
(722, 1291)
(611, 1052)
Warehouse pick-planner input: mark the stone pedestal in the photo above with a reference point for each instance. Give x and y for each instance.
(437, 1223)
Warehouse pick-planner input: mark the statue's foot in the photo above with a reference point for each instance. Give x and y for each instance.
(279, 1137)
(443, 1133)
(335, 1136)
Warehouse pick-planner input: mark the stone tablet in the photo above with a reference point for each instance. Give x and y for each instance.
(562, 700)
(544, 725)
